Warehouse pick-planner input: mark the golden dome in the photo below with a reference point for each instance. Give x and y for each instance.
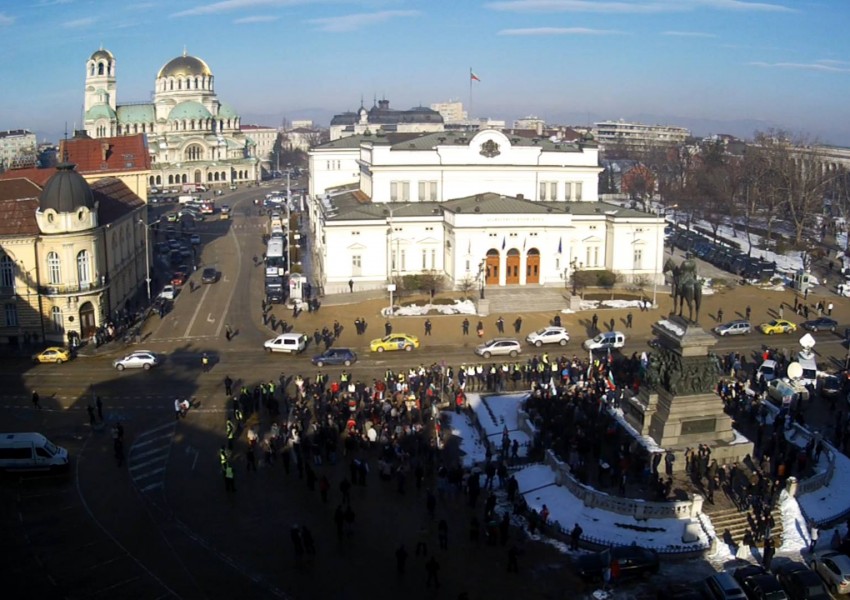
(185, 66)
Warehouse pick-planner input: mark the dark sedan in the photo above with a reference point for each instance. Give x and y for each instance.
(830, 386)
(624, 562)
(821, 324)
(758, 584)
(335, 356)
(801, 582)
(210, 275)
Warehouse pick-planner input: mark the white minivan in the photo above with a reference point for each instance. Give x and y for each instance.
(30, 452)
(608, 340)
(291, 343)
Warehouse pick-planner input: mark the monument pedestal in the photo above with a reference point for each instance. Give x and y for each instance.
(676, 405)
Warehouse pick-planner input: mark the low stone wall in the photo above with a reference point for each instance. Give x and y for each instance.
(639, 509)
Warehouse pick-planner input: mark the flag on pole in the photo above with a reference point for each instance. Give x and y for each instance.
(610, 381)
(473, 76)
(560, 246)
(504, 241)
(523, 243)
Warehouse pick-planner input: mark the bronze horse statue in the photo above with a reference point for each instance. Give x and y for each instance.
(687, 286)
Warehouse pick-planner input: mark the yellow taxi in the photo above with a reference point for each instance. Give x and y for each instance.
(396, 341)
(777, 326)
(54, 354)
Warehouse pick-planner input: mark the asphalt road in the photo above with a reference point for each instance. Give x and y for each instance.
(162, 526)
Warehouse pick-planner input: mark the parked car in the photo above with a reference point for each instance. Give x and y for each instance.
(678, 591)
(758, 584)
(140, 359)
(395, 341)
(169, 292)
(548, 335)
(739, 327)
(768, 370)
(195, 239)
(830, 386)
(499, 347)
(291, 343)
(820, 324)
(210, 275)
(722, 586)
(632, 561)
(834, 568)
(335, 356)
(801, 582)
(608, 340)
(53, 354)
(178, 279)
(777, 326)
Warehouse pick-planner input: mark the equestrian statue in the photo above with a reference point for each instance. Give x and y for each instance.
(687, 286)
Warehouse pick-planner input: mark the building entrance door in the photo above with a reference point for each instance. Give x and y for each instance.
(198, 176)
(532, 266)
(87, 323)
(491, 275)
(512, 267)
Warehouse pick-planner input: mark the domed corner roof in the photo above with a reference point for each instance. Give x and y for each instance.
(189, 110)
(184, 66)
(66, 191)
(100, 111)
(98, 54)
(226, 111)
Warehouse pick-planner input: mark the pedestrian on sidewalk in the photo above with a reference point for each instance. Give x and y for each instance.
(594, 321)
(465, 326)
(228, 332)
(351, 286)
(427, 326)
(748, 311)
(228, 386)
(781, 311)
(205, 363)
(480, 329)
(720, 314)
(388, 328)
(517, 324)
(829, 309)
(92, 419)
(500, 325)
(229, 478)
(35, 400)
(629, 321)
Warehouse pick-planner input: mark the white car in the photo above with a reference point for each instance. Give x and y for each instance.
(548, 335)
(499, 347)
(608, 340)
(140, 359)
(834, 568)
(169, 292)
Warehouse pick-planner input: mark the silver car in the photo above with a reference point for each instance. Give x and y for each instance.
(499, 347)
(140, 359)
(740, 327)
(548, 335)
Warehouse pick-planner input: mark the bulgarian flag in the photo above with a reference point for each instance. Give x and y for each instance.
(473, 76)
(610, 381)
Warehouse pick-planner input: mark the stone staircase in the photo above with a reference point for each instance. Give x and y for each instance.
(521, 299)
(730, 524)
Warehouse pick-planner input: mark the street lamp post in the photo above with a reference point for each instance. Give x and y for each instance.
(481, 274)
(147, 256)
(576, 266)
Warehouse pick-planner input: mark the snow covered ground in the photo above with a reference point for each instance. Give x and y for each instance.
(460, 307)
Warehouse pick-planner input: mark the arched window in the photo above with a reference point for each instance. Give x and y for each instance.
(151, 184)
(170, 179)
(100, 68)
(171, 85)
(54, 268)
(194, 152)
(158, 179)
(91, 71)
(185, 180)
(196, 83)
(216, 176)
(7, 273)
(179, 84)
(56, 319)
(83, 268)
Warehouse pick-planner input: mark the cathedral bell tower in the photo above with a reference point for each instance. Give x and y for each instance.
(100, 80)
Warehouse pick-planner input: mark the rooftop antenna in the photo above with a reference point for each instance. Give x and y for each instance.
(184, 49)
(65, 145)
(374, 99)
(361, 100)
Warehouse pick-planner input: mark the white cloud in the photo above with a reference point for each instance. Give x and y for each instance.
(821, 66)
(559, 31)
(695, 34)
(79, 23)
(359, 20)
(255, 19)
(632, 6)
(231, 5)
(6, 20)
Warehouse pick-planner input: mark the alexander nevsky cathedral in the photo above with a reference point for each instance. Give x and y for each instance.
(192, 137)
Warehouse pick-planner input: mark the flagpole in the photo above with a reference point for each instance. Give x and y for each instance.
(470, 94)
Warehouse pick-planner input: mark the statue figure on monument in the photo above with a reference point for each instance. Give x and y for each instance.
(687, 286)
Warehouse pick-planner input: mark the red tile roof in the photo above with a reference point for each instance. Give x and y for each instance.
(37, 176)
(18, 203)
(115, 199)
(122, 153)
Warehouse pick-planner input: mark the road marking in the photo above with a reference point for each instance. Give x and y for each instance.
(197, 310)
(210, 318)
(232, 289)
(152, 461)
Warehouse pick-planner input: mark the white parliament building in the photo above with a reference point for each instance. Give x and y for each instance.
(511, 210)
(192, 137)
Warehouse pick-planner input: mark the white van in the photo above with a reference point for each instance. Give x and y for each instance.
(810, 368)
(30, 452)
(291, 343)
(608, 340)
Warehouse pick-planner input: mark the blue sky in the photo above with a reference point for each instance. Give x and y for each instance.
(713, 65)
